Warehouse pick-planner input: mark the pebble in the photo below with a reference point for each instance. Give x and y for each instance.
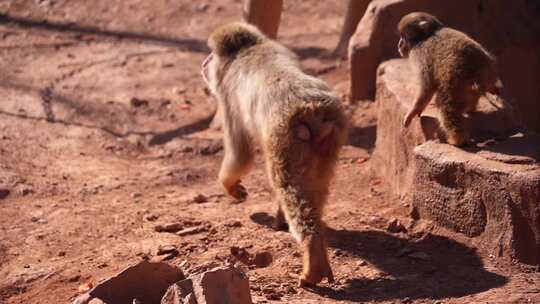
(203, 7)
(192, 230)
(199, 199)
(4, 193)
(262, 259)
(233, 223)
(85, 287)
(164, 249)
(395, 226)
(171, 227)
(135, 195)
(136, 102)
(151, 217)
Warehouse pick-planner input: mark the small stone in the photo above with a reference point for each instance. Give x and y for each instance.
(200, 198)
(164, 249)
(75, 278)
(233, 224)
(85, 287)
(212, 148)
(395, 226)
(203, 7)
(136, 102)
(4, 193)
(26, 191)
(262, 259)
(151, 217)
(192, 230)
(135, 195)
(171, 227)
(179, 90)
(61, 253)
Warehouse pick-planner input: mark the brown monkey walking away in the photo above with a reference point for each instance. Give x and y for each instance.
(450, 65)
(295, 118)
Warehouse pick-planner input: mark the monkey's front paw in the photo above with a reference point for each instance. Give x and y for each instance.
(238, 191)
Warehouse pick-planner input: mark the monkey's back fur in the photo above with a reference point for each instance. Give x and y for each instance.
(455, 59)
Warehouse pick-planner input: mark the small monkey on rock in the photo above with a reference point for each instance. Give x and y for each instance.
(450, 65)
(266, 100)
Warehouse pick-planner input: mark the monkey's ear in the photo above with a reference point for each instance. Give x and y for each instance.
(230, 39)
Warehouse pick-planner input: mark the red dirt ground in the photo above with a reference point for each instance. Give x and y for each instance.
(90, 175)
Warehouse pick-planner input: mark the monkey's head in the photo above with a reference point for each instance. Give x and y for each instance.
(415, 28)
(226, 43)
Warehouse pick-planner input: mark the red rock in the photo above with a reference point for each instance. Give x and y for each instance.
(488, 195)
(171, 227)
(216, 286)
(133, 283)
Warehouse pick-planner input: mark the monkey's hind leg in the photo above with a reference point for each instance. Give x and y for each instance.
(301, 188)
(452, 120)
(304, 220)
(236, 163)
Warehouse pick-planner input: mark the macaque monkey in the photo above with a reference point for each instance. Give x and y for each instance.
(451, 66)
(266, 100)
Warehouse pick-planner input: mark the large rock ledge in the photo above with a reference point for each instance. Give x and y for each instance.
(484, 194)
(489, 192)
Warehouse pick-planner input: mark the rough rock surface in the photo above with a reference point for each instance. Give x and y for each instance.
(509, 29)
(394, 145)
(133, 283)
(485, 194)
(489, 191)
(222, 285)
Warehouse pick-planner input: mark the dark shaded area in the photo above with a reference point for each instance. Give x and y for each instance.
(165, 137)
(313, 52)
(263, 219)
(527, 146)
(187, 44)
(363, 137)
(48, 97)
(450, 270)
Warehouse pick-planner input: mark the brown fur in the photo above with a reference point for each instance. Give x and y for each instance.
(267, 100)
(450, 65)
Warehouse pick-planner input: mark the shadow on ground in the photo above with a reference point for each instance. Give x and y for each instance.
(363, 137)
(446, 269)
(187, 44)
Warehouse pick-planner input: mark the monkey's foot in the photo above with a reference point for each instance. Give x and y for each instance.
(238, 191)
(316, 265)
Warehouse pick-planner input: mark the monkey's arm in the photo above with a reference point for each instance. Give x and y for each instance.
(421, 101)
